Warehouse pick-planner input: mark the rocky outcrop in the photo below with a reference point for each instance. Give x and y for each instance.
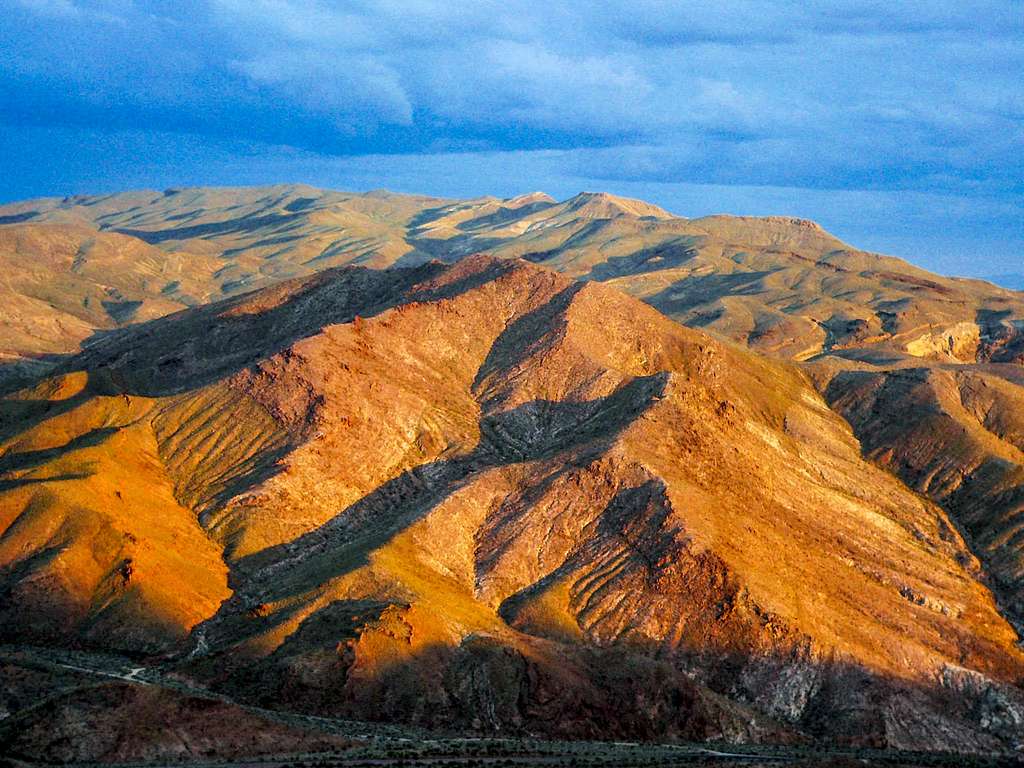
(959, 342)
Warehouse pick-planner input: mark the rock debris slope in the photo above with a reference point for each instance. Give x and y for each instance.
(486, 496)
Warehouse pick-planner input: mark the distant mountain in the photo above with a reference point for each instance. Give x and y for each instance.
(779, 285)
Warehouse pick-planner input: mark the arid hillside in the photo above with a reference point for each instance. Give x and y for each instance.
(486, 496)
(80, 265)
(779, 285)
(955, 433)
(310, 450)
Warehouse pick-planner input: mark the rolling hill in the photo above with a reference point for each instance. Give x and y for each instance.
(782, 286)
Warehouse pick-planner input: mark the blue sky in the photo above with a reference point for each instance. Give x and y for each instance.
(899, 126)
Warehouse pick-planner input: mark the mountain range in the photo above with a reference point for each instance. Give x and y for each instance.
(781, 286)
(580, 469)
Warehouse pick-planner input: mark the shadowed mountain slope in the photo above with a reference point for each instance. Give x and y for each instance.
(486, 495)
(81, 264)
(955, 433)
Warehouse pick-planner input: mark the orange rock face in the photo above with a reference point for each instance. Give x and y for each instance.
(486, 496)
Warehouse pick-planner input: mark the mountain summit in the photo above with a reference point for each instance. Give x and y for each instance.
(601, 205)
(495, 489)
(780, 285)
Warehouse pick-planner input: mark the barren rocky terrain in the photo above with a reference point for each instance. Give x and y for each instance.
(782, 286)
(509, 493)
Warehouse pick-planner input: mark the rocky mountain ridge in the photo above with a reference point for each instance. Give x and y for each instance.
(779, 285)
(558, 503)
(494, 492)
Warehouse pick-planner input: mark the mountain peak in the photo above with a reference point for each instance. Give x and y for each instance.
(794, 221)
(388, 465)
(530, 198)
(471, 475)
(602, 205)
(764, 221)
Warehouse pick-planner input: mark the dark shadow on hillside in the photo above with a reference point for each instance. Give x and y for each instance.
(514, 344)
(18, 416)
(898, 419)
(582, 237)
(644, 509)
(13, 462)
(428, 215)
(504, 215)
(267, 241)
(198, 346)
(1002, 338)
(343, 544)
(19, 373)
(880, 356)
(665, 256)
(240, 225)
(473, 273)
(18, 218)
(704, 289)
(267, 464)
(21, 482)
(448, 250)
(194, 347)
(629, 690)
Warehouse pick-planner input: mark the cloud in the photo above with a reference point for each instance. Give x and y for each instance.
(848, 95)
(980, 234)
(69, 10)
(307, 23)
(355, 90)
(528, 85)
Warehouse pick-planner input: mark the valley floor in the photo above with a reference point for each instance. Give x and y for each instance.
(375, 744)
